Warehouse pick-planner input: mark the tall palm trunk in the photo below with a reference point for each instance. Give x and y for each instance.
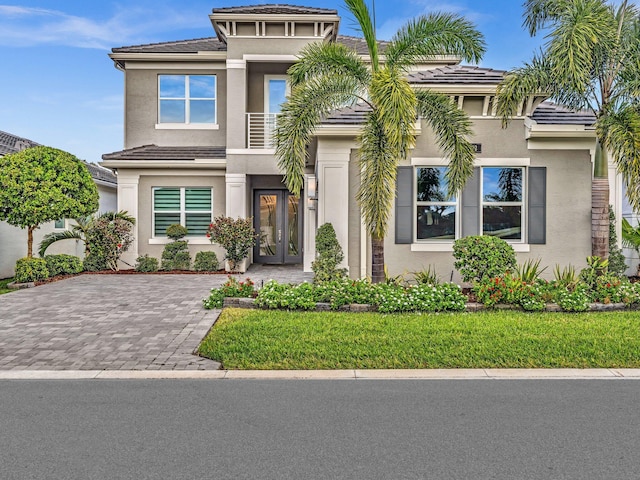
(600, 205)
(377, 260)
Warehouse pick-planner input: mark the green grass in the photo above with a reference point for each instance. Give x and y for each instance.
(3, 285)
(258, 339)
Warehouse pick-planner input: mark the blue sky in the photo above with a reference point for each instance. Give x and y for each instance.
(59, 88)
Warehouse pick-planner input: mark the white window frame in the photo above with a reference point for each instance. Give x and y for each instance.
(267, 78)
(521, 204)
(187, 125)
(417, 204)
(182, 212)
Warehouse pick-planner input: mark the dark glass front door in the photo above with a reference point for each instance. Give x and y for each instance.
(278, 223)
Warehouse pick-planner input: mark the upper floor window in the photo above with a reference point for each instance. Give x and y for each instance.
(187, 99)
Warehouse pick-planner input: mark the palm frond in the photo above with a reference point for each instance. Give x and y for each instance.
(396, 108)
(317, 59)
(378, 167)
(630, 236)
(300, 116)
(122, 215)
(452, 128)
(360, 11)
(531, 79)
(538, 13)
(620, 134)
(53, 237)
(428, 36)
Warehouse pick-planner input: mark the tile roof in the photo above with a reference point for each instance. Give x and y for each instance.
(359, 45)
(458, 74)
(209, 44)
(549, 113)
(11, 143)
(102, 174)
(275, 9)
(154, 152)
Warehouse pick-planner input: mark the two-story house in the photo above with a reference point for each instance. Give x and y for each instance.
(198, 121)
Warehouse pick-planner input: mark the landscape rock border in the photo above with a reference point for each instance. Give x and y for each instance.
(234, 302)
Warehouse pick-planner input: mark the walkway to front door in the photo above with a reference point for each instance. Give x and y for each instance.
(278, 221)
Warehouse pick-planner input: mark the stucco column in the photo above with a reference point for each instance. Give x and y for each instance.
(128, 201)
(309, 221)
(236, 195)
(333, 188)
(236, 103)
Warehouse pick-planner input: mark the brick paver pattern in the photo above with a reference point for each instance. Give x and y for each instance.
(115, 322)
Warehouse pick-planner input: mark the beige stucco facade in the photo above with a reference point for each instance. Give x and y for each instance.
(249, 50)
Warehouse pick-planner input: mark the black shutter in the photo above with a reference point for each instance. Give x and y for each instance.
(471, 203)
(404, 205)
(537, 205)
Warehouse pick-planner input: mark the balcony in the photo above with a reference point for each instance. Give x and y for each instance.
(260, 130)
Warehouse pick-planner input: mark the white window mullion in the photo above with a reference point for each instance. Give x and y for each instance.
(183, 208)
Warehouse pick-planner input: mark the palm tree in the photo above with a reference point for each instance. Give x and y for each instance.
(591, 61)
(631, 238)
(329, 76)
(79, 230)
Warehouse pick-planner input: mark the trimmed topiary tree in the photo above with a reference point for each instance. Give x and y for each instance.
(328, 256)
(43, 184)
(206, 262)
(482, 256)
(175, 255)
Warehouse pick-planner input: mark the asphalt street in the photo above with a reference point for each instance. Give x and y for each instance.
(340, 429)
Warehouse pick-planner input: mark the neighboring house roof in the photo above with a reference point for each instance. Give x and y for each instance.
(546, 113)
(154, 152)
(458, 74)
(549, 113)
(275, 9)
(11, 143)
(101, 174)
(359, 44)
(209, 44)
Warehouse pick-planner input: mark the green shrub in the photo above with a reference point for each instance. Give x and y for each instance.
(29, 269)
(345, 291)
(420, 298)
(63, 264)
(206, 262)
(290, 297)
(175, 256)
(427, 276)
(573, 301)
(146, 264)
(237, 237)
(231, 288)
(328, 256)
(107, 238)
(176, 231)
(482, 256)
(507, 289)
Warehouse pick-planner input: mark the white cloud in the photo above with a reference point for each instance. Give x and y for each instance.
(25, 26)
(421, 7)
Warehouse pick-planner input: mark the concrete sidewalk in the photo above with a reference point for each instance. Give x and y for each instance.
(443, 374)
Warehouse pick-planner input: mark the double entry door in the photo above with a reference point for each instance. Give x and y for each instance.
(278, 222)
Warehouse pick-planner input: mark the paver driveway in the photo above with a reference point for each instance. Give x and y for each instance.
(99, 322)
(111, 322)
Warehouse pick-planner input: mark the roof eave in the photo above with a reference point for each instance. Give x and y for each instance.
(120, 58)
(198, 163)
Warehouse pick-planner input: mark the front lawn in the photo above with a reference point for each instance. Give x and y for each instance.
(259, 339)
(3, 285)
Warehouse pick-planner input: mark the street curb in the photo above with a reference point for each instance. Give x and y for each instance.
(436, 374)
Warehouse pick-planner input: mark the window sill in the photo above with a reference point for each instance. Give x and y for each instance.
(187, 126)
(192, 241)
(448, 247)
